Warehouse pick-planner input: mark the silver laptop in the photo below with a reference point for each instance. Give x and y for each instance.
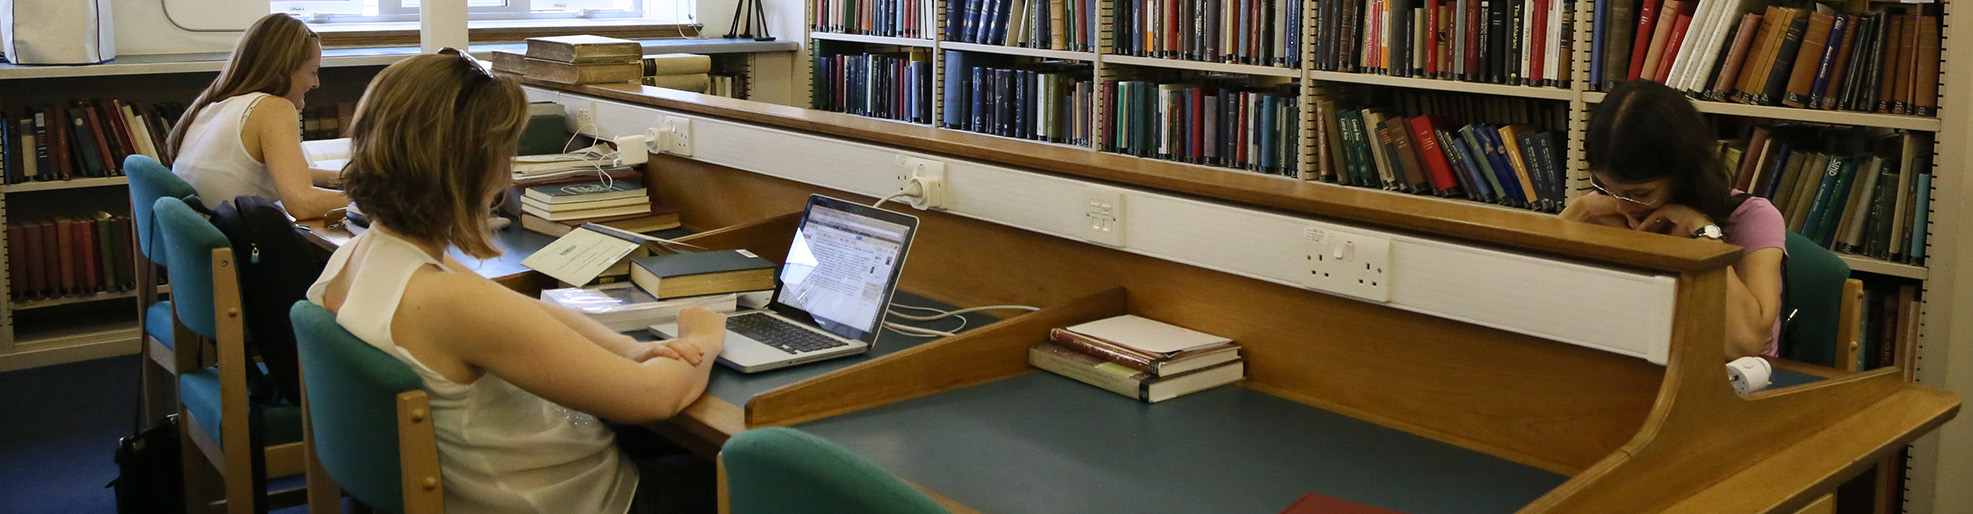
(832, 293)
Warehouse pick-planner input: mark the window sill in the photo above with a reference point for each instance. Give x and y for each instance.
(495, 31)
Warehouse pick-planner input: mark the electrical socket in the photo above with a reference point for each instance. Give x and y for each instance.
(931, 178)
(678, 132)
(1103, 216)
(585, 118)
(1347, 264)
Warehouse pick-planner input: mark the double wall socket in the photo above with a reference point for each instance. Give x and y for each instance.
(1103, 216)
(1347, 264)
(930, 175)
(677, 135)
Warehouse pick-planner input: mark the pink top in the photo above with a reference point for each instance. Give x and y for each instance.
(1757, 225)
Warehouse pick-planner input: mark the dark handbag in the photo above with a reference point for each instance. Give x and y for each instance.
(150, 477)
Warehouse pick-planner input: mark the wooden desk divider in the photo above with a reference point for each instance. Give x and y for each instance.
(971, 358)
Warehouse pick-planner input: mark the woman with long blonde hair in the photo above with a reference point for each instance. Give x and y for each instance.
(516, 384)
(242, 135)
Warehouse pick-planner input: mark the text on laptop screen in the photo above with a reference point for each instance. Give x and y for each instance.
(840, 267)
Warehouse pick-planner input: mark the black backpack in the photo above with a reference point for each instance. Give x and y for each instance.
(277, 265)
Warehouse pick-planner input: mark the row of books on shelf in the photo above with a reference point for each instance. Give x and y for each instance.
(1045, 101)
(70, 256)
(1517, 42)
(1217, 121)
(1253, 32)
(1794, 54)
(894, 86)
(888, 18)
(83, 139)
(1047, 24)
(1857, 191)
(326, 120)
(1888, 336)
(1492, 150)
(1140, 358)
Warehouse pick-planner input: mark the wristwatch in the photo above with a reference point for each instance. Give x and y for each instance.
(1710, 231)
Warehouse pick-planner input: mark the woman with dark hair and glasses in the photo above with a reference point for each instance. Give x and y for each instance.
(517, 386)
(1653, 161)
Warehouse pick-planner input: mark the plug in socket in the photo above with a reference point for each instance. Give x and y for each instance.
(930, 176)
(1347, 264)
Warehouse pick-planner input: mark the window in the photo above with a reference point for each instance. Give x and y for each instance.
(331, 11)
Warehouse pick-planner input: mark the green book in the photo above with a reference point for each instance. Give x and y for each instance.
(84, 144)
(1832, 212)
(1916, 255)
(1812, 215)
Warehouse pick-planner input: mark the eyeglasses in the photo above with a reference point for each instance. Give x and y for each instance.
(1599, 187)
(474, 64)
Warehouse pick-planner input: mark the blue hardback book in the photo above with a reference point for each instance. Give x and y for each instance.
(1596, 44)
(1502, 165)
(1482, 190)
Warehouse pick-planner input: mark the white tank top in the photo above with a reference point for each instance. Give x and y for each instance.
(215, 160)
(502, 449)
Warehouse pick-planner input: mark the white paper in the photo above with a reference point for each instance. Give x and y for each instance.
(326, 154)
(580, 256)
(1147, 334)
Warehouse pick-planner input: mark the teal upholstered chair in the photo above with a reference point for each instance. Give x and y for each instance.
(214, 413)
(369, 427)
(1824, 301)
(150, 181)
(778, 470)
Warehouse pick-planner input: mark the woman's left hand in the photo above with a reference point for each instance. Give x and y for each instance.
(1674, 219)
(644, 351)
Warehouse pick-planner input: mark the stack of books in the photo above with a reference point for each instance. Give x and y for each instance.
(624, 307)
(576, 60)
(1863, 58)
(555, 209)
(683, 72)
(1140, 358)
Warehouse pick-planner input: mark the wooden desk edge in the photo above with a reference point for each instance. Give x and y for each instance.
(1526, 230)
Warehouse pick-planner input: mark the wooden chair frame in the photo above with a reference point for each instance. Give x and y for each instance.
(231, 455)
(417, 452)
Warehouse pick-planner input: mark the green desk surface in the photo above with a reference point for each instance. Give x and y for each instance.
(1784, 378)
(1040, 443)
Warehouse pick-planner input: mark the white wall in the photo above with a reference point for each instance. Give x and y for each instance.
(141, 27)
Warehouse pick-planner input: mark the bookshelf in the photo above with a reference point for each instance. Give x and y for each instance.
(1952, 129)
(28, 187)
(871, 40)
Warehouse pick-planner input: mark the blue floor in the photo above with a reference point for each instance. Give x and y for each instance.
(59, 433)
(59, 427)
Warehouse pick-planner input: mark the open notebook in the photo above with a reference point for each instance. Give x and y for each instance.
(326, 154)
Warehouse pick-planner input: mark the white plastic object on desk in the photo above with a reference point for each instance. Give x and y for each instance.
(1749, 374)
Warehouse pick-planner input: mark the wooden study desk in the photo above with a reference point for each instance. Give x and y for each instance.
(1420, 413)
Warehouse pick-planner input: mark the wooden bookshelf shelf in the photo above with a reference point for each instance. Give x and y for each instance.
(1246, 69)
(875, 40)
(21, 305)
(52, 185)
(1021, 51)
(1859, 263)
(1861, 119)
(1544, 93)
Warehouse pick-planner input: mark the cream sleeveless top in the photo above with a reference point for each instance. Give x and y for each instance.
(214, 159)
(502, 449)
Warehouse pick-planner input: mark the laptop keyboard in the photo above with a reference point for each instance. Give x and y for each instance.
(781, 334)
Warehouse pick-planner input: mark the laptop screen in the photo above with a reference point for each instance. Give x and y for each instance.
(842, 265)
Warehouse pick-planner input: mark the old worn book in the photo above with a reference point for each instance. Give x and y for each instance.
(1759, 57)
(509, 62)
(1808, 56)
(584, 49)
(1784, 60)
(1153, 363)
(1828, 89)
(676, 64)
(1925, 93)
(583, 192)
(589, 73)
(623, 307)
(702, 273)
(1122, 380)
(696, 83)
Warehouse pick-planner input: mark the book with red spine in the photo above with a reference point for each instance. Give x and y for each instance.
(1680, 26)
(1424, 133)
